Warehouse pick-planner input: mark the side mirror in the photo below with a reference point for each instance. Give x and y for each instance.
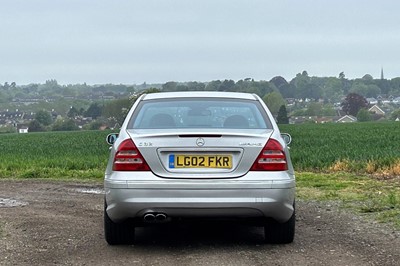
(287, 138)
(111, 138)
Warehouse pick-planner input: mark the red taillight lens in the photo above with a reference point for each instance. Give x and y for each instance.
(128, 158)
(271, 158)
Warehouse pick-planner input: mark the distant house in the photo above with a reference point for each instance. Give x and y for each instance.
(290, 101)
(302, 119)
(22, 129)
(323, 120)
(376, 110)
(347, 119)
(27, 101)
(372, 100)
(69, 97)
(105, 97)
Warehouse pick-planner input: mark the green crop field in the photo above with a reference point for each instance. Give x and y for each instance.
(357, 148)
(372, 148)
(54, 155)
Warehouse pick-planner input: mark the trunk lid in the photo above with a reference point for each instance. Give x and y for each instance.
(200, 153)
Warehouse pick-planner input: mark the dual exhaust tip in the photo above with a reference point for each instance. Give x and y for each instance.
(155, 217)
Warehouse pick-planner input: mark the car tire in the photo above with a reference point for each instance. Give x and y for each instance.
(118, 233)
(280, 233)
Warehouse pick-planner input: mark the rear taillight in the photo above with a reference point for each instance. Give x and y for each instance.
(128, 158)
(271, 158)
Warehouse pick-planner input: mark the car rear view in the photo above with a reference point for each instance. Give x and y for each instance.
(199, 155)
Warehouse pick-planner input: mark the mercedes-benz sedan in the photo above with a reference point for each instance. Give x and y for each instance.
(199, 155)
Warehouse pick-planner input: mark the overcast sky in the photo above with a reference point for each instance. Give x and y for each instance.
(136, 41)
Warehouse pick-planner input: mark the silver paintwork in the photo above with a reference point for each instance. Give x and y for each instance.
(235, 192)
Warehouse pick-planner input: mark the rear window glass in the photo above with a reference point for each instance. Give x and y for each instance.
(199, 113)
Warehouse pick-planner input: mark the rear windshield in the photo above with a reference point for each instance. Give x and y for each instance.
(199, 113)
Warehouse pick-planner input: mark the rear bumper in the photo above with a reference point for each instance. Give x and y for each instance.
(200, 198)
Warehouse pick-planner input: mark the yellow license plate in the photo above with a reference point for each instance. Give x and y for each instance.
(200, 161)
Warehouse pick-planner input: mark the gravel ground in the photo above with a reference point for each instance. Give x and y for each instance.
(60, 223)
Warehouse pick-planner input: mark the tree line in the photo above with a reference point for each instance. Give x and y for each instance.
(302, 86)
(317, 96)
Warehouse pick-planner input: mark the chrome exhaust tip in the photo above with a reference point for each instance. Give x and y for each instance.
(161, 217)
(149, 217)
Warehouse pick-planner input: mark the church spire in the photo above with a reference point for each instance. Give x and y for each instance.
(382, 77)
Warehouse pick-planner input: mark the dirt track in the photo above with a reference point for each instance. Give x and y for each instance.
(59, 223)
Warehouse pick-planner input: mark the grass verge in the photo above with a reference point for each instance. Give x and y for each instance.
(366, 195)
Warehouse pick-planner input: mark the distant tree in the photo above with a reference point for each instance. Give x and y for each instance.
(44, 117)
(363, 115)
(6, 85)
(279, 81)
(73, 112)
(333, 89)
(342, 75)
(4, 97)
(116, 109)
(353, 103)
(51, 87)
(368, 78)
(395, 115)
(287, 91)
(264, 87)
(302, 85)
(170, 86)
(182, 87)
(227, 85)
(52, 82)
(315, 91)
(282, 115)
(213, 85)
(314, 109)
(274, 101)
(384, 85)
(130, 89)
(81, 111)
(67, 125)
(196, 86)
(151, 90)
(395, 85)
(328, 110)
(95, 125)
(93, 111)
(366, 90)
(255, 90)
(8, 129)
(36, 126)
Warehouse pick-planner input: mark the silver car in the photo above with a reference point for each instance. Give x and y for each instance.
(199, 155)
